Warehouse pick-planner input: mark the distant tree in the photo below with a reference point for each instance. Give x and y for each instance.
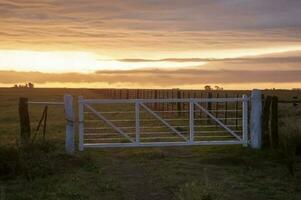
(207, 87)
(218, 88)
(30, 85)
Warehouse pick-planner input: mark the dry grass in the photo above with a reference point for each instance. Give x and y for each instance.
(43, 171)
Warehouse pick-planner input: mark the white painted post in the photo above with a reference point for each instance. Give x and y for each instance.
(245, 120)
(191, 121)
(81, 123)
(256, 117)
(137, 118)
(69, 142)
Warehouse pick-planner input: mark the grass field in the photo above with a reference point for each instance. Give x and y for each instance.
(44, 171)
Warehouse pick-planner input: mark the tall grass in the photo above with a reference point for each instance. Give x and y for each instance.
(290, 143)
(37, 160)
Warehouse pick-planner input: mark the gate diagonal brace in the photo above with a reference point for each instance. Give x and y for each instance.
(109, 123)
(163, 121)
(218, 121)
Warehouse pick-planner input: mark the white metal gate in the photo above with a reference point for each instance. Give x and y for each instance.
(160, 122)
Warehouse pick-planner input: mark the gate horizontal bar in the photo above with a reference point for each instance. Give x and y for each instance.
(45, 103)
(163, 111)
(159, 132)
(161, 144)
(126, 101)
(175, 119)
(156, 127)
(154, 138)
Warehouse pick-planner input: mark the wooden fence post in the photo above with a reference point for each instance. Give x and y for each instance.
(156, 97)
(274, 137)
(236, 112)
(256, 117)
(127, 93)
(69, 143)
(266, 120)
(209, 106)
(216, 108)
(179, 104)
(226, 110)
(25, 130)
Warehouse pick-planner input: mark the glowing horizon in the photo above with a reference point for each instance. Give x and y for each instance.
(72, 61)
(87, 62)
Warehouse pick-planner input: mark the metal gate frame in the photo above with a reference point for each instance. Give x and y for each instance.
(140, 103)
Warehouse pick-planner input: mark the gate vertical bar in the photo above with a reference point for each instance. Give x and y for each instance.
(191, 121)
(137, 121)
(245, 120)
(81, 123)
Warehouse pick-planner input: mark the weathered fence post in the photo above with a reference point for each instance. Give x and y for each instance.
(226, 110)
(256, 117)
(266, 121)
(69, 143)
(209, 106)
(236, 112)
(25, 130)
(178, 104)
(274, 138)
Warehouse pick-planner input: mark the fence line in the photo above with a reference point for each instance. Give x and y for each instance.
(162, 101)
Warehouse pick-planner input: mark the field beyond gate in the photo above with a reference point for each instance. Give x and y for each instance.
(45, 172)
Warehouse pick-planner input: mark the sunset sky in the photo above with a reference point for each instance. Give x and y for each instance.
(236, 44)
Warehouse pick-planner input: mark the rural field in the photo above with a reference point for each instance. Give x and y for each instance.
(43, 170)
